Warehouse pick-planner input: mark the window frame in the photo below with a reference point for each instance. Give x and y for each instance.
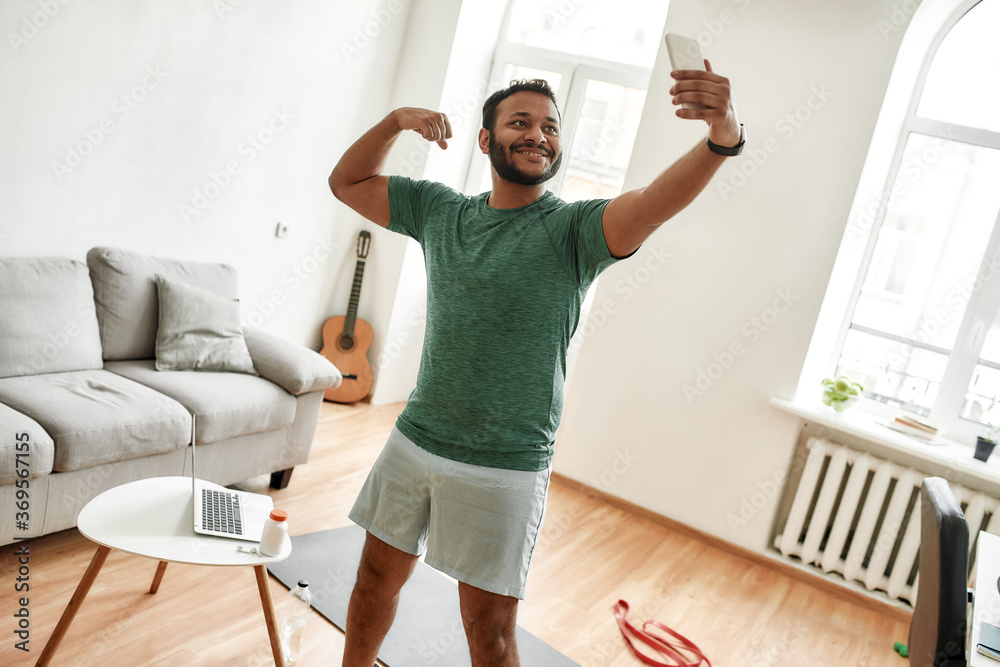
(982, 305)
(575, 70)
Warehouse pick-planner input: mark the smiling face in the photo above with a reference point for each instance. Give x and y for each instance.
(523, 144)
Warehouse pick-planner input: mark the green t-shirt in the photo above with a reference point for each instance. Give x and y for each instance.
(504, 288)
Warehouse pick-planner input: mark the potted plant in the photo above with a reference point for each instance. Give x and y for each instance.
(841, 392)
(986, 443)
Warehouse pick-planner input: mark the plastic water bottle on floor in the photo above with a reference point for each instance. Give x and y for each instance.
(294, 625)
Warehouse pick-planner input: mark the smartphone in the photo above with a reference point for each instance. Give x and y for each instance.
(685, 53)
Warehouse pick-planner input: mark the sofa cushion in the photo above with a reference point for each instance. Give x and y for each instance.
(47, 319)
(126, 299)
(22, 435)
(295, 368)
(199, 331)
(95, 417)
(227, 404)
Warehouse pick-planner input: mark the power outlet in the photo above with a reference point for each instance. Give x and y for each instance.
(281, 231)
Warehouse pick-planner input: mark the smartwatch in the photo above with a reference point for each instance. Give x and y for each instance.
(729, 151)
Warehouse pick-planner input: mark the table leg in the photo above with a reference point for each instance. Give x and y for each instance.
(158, 577)
(74, 605)
(272, 625)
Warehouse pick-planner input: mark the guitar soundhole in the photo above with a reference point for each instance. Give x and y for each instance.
(346, 342)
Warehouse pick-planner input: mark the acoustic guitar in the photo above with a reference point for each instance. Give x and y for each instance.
(346, 340)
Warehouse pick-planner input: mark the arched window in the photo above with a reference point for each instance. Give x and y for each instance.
(921, 330)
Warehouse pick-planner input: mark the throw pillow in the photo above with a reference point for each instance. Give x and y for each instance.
(199, 331)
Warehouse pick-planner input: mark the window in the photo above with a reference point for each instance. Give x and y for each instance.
(630, 34)
(599, 64)
(922, 331)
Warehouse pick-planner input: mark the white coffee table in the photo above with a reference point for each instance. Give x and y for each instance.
(153, 518)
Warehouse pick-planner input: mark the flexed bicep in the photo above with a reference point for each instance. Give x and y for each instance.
(357, 180)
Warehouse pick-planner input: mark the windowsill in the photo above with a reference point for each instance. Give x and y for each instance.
(942, 456)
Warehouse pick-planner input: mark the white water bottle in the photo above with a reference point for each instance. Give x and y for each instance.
(272, 540)
(294, 625)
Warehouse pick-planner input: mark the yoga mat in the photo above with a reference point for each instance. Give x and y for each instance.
(428, 627)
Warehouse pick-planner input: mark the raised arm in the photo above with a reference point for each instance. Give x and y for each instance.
(631, 217)
(357, 179)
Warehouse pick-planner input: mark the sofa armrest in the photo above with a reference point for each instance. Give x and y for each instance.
(294, 368)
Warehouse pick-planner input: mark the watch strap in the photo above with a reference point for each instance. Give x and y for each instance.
(729, 151)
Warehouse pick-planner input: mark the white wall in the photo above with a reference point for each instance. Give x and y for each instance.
(199, 78)
(730, 313)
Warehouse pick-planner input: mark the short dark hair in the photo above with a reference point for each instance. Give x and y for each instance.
(520, 85)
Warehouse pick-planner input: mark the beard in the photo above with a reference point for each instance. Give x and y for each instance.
(501, 160)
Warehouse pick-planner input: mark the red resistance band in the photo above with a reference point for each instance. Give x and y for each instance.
(668, 647)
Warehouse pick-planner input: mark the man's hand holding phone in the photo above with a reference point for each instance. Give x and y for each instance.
(700, 92)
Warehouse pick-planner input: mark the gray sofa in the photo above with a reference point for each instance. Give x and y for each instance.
(94, 393)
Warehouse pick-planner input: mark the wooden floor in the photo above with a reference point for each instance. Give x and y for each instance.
(743, 613)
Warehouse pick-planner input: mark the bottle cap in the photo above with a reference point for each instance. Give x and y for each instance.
(279, 515)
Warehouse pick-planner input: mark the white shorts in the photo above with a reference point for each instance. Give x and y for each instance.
(476, 524)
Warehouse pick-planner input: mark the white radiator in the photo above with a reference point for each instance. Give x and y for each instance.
(859, 516)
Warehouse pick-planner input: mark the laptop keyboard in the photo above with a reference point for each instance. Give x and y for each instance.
(220, 512)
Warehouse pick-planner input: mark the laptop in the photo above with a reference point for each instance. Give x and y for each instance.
(223, 512)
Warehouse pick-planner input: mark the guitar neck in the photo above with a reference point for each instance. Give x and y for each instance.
(352, 307)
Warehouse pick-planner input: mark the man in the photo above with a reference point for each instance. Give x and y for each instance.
(465, 471)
